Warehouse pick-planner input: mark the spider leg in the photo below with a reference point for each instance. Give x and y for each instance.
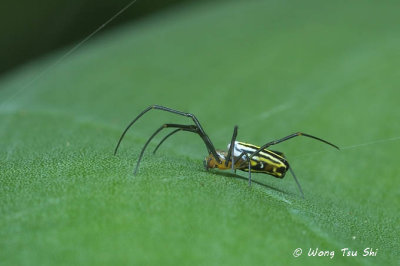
(297, 182)
(248, 161)
(287, 138)
(291, 171)
(170, 134)
(167, 136)
(190, 128)
(230, 156)
(201, 132)
(206, 164)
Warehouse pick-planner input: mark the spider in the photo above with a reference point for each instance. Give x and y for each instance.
(240, 155)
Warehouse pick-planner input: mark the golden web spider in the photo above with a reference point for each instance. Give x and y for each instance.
(240, 155)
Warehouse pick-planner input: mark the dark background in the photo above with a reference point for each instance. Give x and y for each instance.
(32, 28)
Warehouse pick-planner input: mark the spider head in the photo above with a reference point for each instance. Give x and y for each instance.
(211, 162)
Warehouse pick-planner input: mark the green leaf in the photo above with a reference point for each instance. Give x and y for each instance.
(272, 68)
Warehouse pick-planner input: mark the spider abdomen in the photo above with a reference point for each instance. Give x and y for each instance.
(266, 161)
